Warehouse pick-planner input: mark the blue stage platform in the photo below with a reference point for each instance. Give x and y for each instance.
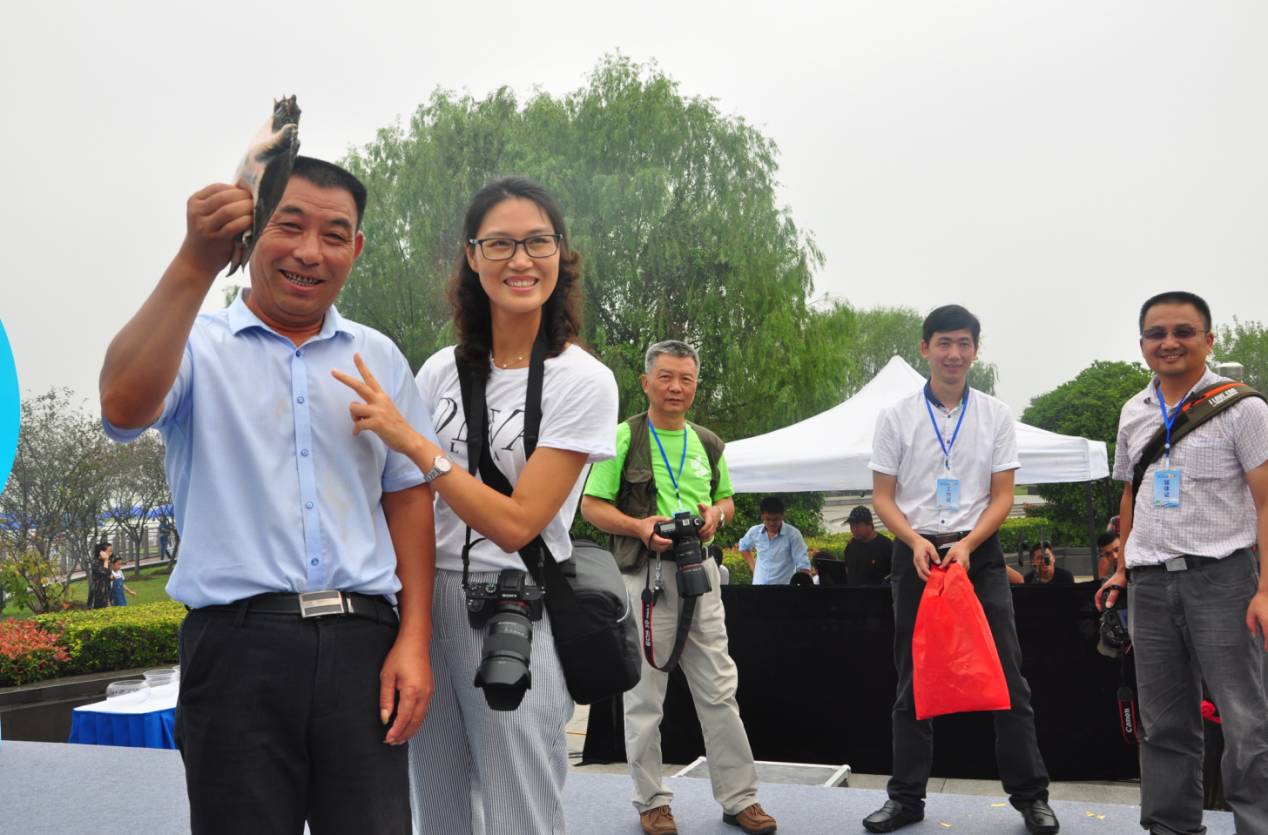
(52, 789)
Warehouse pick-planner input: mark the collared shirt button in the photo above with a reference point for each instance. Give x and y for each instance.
(299, 353)
(314, 561)
(299, 399)
(308, 505)
(304, 452)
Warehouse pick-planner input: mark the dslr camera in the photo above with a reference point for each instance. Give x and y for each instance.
(505, 611)
(684, 532)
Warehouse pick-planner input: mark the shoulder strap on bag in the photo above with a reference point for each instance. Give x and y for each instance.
(1197, 410)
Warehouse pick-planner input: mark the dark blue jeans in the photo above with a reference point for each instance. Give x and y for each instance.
(1187, 626)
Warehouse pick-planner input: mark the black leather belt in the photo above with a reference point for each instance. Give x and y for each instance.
(1182, 563)
(941, 539)
(312, 604)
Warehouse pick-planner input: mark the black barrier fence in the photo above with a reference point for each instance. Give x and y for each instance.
(817, 685)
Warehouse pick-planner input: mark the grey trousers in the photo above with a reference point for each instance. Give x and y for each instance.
(1188, 626)
(483, 771)
(712, 677)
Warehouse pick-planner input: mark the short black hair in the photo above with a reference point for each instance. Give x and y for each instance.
(1105, 538)
(772, 504)
(1178, 297)
(951, 317)
(328, 175)
(100, 548)
(1037, 547)
(860, 515)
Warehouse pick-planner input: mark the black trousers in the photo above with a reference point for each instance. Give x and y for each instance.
(278, 724)
(1021, 768)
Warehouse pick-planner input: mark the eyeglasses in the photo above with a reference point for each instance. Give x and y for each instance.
(1180, 332)
(503, 249)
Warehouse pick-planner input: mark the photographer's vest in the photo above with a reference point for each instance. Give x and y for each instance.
(637, 494)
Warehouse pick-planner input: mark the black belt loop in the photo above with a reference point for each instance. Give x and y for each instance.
(243, 605)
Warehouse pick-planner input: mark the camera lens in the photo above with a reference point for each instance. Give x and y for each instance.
(503, 673)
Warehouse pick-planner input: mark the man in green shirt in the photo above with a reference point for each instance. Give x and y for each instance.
(664, 465)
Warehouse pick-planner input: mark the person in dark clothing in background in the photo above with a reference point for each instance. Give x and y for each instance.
(869, 555)
(1044, 569)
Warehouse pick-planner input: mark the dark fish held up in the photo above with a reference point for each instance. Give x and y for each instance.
(265, 170)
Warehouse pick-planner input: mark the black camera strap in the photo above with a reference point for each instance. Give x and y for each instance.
(686, 611)
(546, 572)
(1128, 712)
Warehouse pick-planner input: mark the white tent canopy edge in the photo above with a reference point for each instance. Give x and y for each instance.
(830, 450)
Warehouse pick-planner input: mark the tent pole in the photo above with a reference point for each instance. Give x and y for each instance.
(1091, 526)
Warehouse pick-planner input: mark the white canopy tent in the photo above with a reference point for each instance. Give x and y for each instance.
(830, 451)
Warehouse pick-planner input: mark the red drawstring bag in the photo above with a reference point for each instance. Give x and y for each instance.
(955, 666)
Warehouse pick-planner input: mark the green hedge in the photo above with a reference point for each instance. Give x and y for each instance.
(1011, 534)
(100, 640)
(741, 574)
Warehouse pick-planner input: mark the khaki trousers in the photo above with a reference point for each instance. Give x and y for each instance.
(712, 677)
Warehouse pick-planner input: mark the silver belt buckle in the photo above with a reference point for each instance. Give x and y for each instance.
(1176, 564)
(316, 604)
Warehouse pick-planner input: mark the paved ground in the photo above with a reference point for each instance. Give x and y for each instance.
(1126, 793)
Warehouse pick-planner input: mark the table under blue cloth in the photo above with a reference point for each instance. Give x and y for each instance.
(154, 729)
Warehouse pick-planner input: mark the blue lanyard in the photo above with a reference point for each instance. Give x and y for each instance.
(674, 479)
(1168, 420)
(947, 446)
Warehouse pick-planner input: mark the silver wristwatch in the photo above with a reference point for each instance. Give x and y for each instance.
(439, 467)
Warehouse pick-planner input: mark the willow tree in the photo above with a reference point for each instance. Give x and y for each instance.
(672, 205)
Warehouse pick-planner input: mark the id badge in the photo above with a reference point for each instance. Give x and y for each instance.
(948, 494)
(1166, 488)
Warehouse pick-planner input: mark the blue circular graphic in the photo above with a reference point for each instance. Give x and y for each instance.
(10, 410)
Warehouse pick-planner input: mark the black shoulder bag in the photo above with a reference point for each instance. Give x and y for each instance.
(595, 634)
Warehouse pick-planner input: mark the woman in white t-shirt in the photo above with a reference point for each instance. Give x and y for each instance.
(475, 769)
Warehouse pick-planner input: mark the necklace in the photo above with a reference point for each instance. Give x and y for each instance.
(508, 363)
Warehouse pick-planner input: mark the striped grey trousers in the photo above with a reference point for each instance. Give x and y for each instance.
(483, 771)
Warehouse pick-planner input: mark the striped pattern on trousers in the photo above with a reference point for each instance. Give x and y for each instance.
(484, 771)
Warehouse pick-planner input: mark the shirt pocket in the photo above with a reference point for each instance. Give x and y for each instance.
(1209, 459)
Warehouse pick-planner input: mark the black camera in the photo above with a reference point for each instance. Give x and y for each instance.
(1113, 638)
(505, 611)
(684, 532)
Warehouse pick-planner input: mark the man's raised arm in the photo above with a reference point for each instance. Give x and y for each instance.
(145, 356)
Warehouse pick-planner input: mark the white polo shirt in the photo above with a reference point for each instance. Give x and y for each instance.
(906, 446)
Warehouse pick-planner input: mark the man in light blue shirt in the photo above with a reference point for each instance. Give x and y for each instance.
(298, 535)
(774, 550)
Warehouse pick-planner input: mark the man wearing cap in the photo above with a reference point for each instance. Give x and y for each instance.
(774, 550)
(869, 555)
(300, 683)
(943, 460)
(1197, 594)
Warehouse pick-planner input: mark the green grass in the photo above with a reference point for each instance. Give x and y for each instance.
(149, 589)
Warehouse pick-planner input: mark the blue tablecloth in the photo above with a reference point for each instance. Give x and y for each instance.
(134, 730)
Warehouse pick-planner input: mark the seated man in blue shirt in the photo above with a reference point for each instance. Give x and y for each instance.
(780, 549)
(297, 536)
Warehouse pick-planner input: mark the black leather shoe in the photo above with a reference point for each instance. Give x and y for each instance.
(893, 815)
(1039, 817)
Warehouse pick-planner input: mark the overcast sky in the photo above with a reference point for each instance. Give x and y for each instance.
(1047, 164)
